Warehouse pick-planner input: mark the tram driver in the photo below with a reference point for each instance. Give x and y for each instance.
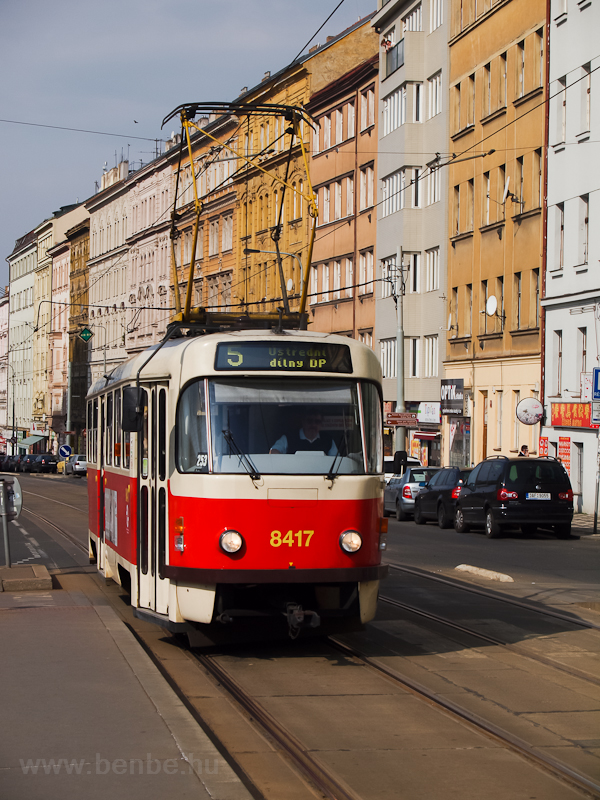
(308, 438)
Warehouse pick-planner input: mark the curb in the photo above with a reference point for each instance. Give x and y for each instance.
(25, 579)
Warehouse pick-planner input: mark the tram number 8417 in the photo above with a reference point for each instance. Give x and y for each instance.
(277, 540)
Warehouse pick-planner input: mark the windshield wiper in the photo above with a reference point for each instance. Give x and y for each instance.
(244, 458)
(333, 471)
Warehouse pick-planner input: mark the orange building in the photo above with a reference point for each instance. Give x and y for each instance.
(343, 166)
(496, 188)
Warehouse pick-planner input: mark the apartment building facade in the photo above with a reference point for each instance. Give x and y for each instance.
(412, 213)
(343, 165)
(78, 369)
(58, 367)
(571, 295)
(495, 250)
(21, 264)
(107, 271)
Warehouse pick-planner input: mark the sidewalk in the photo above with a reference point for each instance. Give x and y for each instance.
(583, 524)
(85, 713)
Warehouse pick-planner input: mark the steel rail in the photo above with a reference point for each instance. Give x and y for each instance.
(573, 671)
(552, 765)
(331, 787)
(456, 584)
(65, 534)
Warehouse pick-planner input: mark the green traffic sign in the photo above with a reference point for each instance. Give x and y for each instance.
(86, 334)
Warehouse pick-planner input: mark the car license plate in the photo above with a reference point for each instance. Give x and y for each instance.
(538, 496)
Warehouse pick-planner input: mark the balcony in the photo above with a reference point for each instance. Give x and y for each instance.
(394, 58)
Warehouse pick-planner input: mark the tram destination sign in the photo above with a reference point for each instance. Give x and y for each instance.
(281, 356)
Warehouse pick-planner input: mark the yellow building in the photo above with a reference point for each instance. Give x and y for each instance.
(266, 140)
(496, 187)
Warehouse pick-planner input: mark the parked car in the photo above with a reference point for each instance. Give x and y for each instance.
(26, 463)
(76, 465)
(388, 467)
(399, 494)
(45, 462)
(437, 499)
(60, 466)
(11, 463)
(509, 492)
(4, 459)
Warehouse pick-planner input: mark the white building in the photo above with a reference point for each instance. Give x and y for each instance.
(5, 414)
(412, 213)
(108, 271)
(149, 261)
(571, 294)
(22, 263)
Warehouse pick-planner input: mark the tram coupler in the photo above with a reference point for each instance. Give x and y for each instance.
(297, 617)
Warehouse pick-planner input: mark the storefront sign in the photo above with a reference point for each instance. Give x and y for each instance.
(38, 428)
(429, 412)
(452, 397)
(543, 446)
(572, 415)
(564, 452)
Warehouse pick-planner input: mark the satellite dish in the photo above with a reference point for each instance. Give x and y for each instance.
(491, 306)
(290, 285)
(505, 194)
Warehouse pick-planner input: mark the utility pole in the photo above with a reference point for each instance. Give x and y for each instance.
(398, 287)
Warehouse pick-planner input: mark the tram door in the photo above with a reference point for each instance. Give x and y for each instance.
(152, 501)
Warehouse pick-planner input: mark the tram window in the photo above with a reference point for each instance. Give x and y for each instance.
(95, 427)
(192, 439)
(144, 442)
(118, 428)
(263, 425)
(126, 448)
(162, 434)
(373, 427)
(90, 432)
(162, 524)
(144, 529)
(109, 429)
(154, 449)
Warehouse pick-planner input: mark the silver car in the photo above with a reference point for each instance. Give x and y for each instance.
(400, 492)
(76, 465)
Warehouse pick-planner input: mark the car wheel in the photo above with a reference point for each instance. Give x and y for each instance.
(442, 517)
(401, 516)
(492, 529)
(418, 515)
(460, 526)
(529, 529)
(563, 531)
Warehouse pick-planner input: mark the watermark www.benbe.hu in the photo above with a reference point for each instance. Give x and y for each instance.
(120, 766)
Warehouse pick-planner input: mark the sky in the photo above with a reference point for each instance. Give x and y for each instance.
(120, 66)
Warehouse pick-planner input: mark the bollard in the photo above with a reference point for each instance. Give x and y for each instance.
(4, 515)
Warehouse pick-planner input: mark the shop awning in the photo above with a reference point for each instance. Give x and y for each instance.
(29, 440)
(426, 436)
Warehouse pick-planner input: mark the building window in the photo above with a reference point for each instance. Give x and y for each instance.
(213, 238)
(456, 210)
(483, 315)
(367, 177)
(434, 185)
(326, 132)
(584, 229)
(435, 94)
(227, 232)
(394, 110)
(337, 279)
(349, 196)
(471, 100)
(503, 80)
(417, 111)
(324, 283)
(350, 120)
(558, 362)
(388, 277)
(433, 269)
(520, 180)
(413, 21)
(314, 285)
(469, 308)
(339, 119)
(413, 357)
(366, 337)
(326, 201)
(436, 17)
(393, 193)
(487, 100)
(349, 280)
(486, 199)
(521, 69)
(582, 349)
(367, 108)
(414, 270)
(431, 356)
(470, 204)
(538, 189)
(535, 291)
(518, 294)
(586, 97)
(500, 298)
(540, 56)
(365, 277)
(337, 200)
(561, 110)
(560, 234)
(315, 137)
(389, 358)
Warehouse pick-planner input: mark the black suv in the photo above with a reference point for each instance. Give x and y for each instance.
(437, 499)
(507, 492)
(46, 462)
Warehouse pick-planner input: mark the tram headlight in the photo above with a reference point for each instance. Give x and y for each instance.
(231, 541)
(351, 541)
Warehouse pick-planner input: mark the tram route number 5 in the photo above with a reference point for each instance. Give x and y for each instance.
(277, 540)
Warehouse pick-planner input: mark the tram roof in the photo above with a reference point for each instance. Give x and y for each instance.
(184, 358)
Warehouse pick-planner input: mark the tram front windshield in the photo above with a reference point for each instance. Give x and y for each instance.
(267, 426)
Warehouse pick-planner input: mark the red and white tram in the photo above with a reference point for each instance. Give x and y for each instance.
(237, 476)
